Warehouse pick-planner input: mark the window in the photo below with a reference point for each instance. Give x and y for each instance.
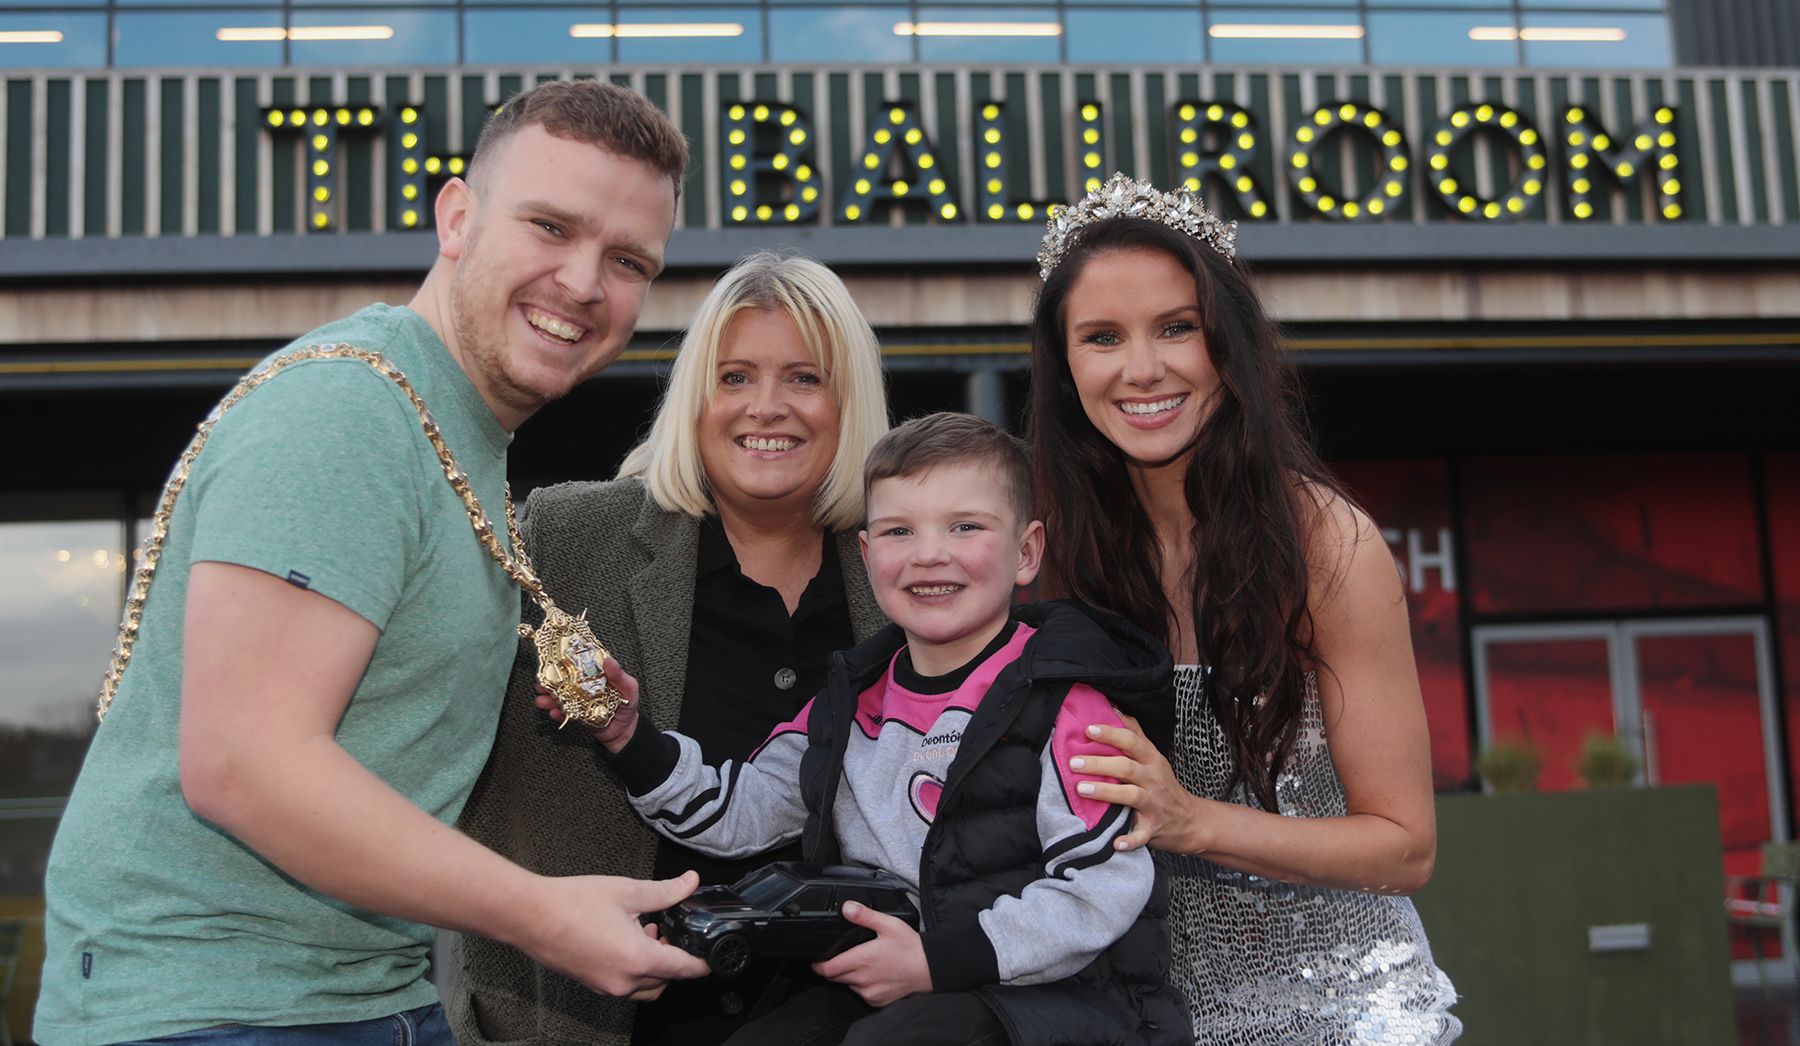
(1441, 38)
(1125, 35)
(515, 35)
(165, 38)
(690, 34)
(1596, 40)
(988, 34)
(839, 34)
(1289, 36)
(52, 40)
(373, 36)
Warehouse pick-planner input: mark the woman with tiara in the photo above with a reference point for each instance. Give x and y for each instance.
(1294, 811)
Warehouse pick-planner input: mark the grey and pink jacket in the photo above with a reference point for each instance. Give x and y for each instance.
(966, 795)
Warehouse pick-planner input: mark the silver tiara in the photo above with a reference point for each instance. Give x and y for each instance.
(1123, 197)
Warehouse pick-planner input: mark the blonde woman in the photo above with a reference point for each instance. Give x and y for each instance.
(722, 562)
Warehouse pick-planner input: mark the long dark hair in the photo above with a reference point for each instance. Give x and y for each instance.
(1252, 469)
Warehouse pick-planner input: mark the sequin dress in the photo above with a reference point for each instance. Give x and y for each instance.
(1271, 963)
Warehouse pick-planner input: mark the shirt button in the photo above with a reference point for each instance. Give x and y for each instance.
(786, 678)
(732, 1003)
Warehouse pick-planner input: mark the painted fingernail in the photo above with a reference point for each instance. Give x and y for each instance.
(1077, 763)
(1094, 731)
(1085, 788)
(852, 908)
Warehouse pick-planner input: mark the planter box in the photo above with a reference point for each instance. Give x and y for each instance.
(1522, 883)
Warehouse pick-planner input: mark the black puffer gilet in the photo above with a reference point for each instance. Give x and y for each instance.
(984, 842)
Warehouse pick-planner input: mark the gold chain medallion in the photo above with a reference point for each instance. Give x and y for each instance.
(568, 661)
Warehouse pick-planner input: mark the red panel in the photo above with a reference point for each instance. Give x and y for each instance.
(1704, 719)
(1781, 490)
(1553, 692)
(1410, 501)
(1617, 532)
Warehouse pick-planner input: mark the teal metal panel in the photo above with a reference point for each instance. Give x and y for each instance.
(57, 145)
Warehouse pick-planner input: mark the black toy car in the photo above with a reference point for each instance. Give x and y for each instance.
(783, 910)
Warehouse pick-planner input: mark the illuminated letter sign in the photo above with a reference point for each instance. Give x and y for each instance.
(995, 202)
(748, 168)
(1389, 190)
(1521, 196)
(899, 135)
(1234, 132)
(1591, 150)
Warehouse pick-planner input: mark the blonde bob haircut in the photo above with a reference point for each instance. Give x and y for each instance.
(838, 339)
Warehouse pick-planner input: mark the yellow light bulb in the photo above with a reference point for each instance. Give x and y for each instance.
(409, 191)
(320, 143)
(809, 194)
(1672, 187)
(1669, 162)
(456, 165)
(1189, 136)
(803, 173)
(760, 113)
(1351, 209)
(1528, 137)
(407, 141)
(765, 212)
(1672, 211)
(1240, 120)
(1026, 212)
(1447, 186)
(990, 112)
(432, 166)
(1393, 189)
(1665, 115)
(1459, 119)
(913, 136)
(1258, 209)
(320, 219)
(320, 117)
(1326, 203)
(797, 136)
(1227, 162)
(276, 119)
(896, 115)
(1244, 184)
(1438, 161)
(1584, 209)
(1186, 112)
(948, 211)
(736, 112)
(1532, 186)
(1581, 185)
(1601, 141)
(1298, 160)
(322, 194)
(901, 188)
(1377, 205)
(1346, 112)
(740, 214)
(883, 136)
(1625, 169)
(992, 136)
(927, 162)
(1666, 139)
(320, 168)
(791, 212)
(1515, 205)
(1093, 184)
(1213, 112)
(1091, 136)
(1536, 162)
(410, 218)
(1091, 112)
(1490, 210)
(1578, 161)
(1484, 113)
(1391, 139)
(738, 162)
(779, 161)
(1466, 204)
(871, 161)
(936, 187)
(1509, 118)
(1399, 163)
(343, 117)
(1303, 133)
(1091, 159)
(788, 116)
(1308, 184)
(996, 212)
(1192, 184)
(1246, 140)
(1322, 117)
(736, 137)
(1575, 115)
(853, 212)
(1371, 119)
(365, 117)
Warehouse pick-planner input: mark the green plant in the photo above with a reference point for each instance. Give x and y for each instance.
(1606, 761)
(1510, 766)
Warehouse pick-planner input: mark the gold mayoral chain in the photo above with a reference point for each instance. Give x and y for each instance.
(569, 655)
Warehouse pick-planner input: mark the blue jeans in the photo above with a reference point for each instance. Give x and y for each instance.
(424, 1026)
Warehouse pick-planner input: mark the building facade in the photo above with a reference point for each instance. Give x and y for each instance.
(1538, 259)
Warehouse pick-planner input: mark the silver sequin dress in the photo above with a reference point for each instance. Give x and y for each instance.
(1274, 964)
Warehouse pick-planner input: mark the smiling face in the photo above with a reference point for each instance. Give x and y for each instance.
(553, 250)
(769, 432)
(945, 550)
(1138, 355)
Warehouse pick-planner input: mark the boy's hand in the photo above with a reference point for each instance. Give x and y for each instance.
(618, 730)
(885, 970)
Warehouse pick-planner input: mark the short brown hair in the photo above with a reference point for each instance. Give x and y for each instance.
(952, 438)
(595, 112)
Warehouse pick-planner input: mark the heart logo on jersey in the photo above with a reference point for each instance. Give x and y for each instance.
(925, 791)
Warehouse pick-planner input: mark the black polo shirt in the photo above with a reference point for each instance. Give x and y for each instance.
(750, 667)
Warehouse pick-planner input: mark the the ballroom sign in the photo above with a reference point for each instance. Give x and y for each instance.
(769, 170)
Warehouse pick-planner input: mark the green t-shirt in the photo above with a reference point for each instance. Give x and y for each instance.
(159, 922)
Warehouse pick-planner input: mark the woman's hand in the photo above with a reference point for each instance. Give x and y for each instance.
(619, 729)
(1162, 815)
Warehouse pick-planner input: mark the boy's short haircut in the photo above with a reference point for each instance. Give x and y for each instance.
(952, 438)
(593, 112)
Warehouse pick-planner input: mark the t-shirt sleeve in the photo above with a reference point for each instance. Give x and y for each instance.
(313, 477)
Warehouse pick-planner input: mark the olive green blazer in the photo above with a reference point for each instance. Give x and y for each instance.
(545, 799)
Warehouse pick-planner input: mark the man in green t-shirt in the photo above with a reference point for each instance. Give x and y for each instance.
(260, 840)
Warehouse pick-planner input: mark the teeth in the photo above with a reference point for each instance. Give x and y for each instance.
(933, 590)
(1153, 408)
(551, 325)
(760, 443)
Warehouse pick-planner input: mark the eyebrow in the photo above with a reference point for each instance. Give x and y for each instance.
(796, 365)
(977, 513)
(1166, 314)
(562, 216)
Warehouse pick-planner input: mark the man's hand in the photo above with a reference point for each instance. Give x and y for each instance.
(597, 939)
(617, 732)
(885, 970)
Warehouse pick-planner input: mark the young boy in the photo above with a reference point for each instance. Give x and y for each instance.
(938, 752)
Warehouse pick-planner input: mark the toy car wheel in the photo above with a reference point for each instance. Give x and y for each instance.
(729, 955)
